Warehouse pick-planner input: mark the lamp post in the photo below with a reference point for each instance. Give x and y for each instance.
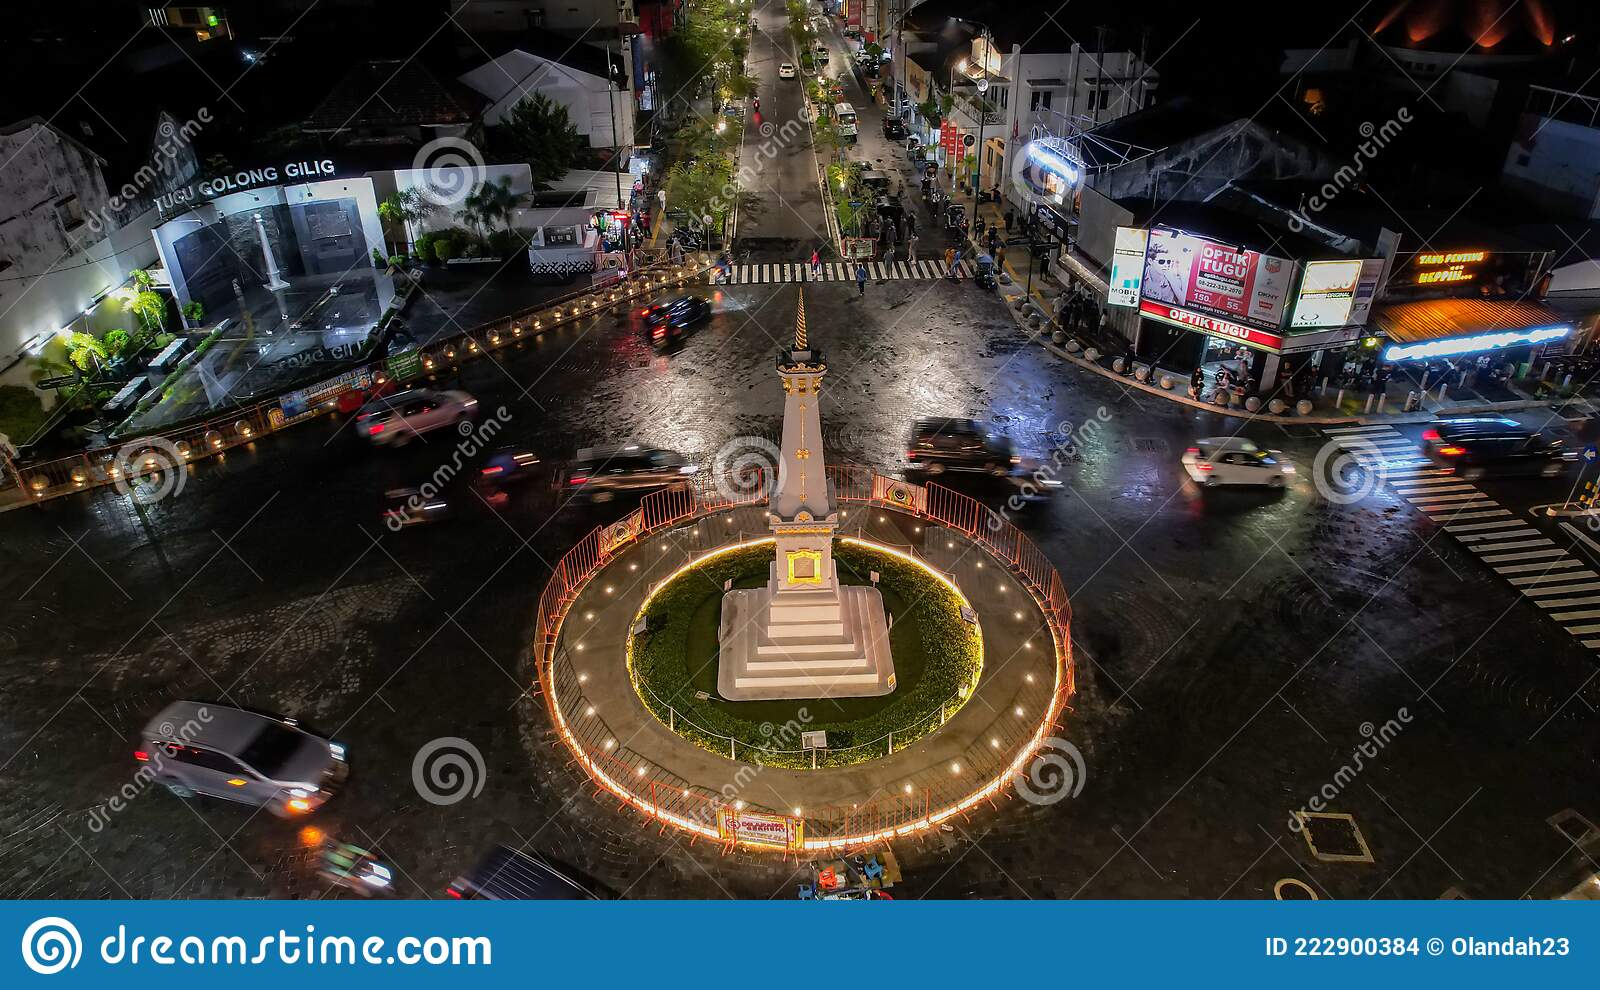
(983, 87)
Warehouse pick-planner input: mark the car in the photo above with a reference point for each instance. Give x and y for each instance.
(786, 71)
(821, 54)
(600, 474)
(1217, 461)
(733, 108)
(894, 128)
(876, 181)
(395, 420)
(889, 208)
(406, 507)
(1477, 447)
(507, 874)
(940, 444)
(194, 747)
(671, 320)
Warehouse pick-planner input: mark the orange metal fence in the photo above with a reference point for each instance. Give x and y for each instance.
(680, 803)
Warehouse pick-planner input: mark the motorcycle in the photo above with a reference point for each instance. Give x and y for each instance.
(355, 869)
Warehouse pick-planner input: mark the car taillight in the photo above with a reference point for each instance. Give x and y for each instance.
(375, 429)
(659, 331)
(1203, 467)
(1451, 450)
(578, 479)
(1193, 450)
(453, 892)
(1430, 434)
(493, 469)
(141, 756)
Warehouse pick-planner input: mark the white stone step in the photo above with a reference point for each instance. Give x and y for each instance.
(837, 647)
(806, 631)
(822, 682)
(821, 612)
(806, 664)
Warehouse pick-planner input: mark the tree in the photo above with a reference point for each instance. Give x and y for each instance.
(539, 131)
(85, 351)
(402, 209)
(151, 309)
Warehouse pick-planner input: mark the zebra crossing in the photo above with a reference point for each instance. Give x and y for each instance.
(839, 271)
(1563, 585)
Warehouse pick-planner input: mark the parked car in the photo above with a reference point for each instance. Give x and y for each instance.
(397, 419)
(939, 444)
(601, 473)
(673, 319)
(878, 182)
(733, 108)
(268, 761)
(1217, 461)
(508, 874)
(894, 128)
(890, 209)
(1476, 447)
(821, 54)
(786, 71)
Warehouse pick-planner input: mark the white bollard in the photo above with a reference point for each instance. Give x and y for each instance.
(1339, 399)
(1369, 403)
(1566, 381)
(1381, 400)
(1324, 390)
(1442, 389)
(1424, 381)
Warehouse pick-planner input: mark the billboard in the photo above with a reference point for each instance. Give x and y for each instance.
(1213, 326)
(1127, 266)
(1197, 273)
(1326, 293)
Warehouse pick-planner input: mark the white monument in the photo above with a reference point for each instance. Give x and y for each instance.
(803, 635)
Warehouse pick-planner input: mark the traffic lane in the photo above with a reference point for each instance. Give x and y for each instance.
(780, 201)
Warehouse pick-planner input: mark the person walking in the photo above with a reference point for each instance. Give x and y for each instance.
(950, 261)
(1011, 219)
(911, 247)
(1197, 383)
(816, 263)
(861, 278)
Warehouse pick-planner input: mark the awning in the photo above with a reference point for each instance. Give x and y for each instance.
(1432, 328)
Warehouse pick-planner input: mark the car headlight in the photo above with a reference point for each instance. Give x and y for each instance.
(336, 750)
(1288, 469)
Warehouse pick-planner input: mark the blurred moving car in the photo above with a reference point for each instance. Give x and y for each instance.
(503, 469)
(670, 320)
(264, 760)
(1477, 447)
(405, 507)
(601, 473)
(508, 874)
(1217, 461)
(395, 420)
(786, 71)
(938, 445)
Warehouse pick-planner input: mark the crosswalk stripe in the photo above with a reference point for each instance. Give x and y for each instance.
(1379, 428)
(1437, 488)
(1456, 513)
(1431, 497)
(1552, 578)
(1583, 630)
(1586, 613)
(902, 269)
(1419, 469)
(1543, 565)
(1475, 527)
(1444, 508)
(1383, 443)
(1470, 538)
(1513, 545)
(1500, 558)
(1563, 602)
(1593, 644)
(1566, 589)
(837, 269)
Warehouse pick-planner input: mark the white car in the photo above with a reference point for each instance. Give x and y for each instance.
(1217, 461)
(786, 71)
(395, 420)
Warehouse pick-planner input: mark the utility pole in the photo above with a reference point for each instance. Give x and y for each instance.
(1099, 70)
(611, 101)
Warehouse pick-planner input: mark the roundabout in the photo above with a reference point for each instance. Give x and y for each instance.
(829, 659)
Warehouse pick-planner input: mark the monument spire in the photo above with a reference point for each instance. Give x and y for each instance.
(800, 323)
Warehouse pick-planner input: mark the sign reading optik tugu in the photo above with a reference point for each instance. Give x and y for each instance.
(206, 189)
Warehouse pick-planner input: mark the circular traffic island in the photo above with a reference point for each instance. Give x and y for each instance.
(673, 660)
(628, 654)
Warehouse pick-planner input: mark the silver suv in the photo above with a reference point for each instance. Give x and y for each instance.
(394, 420)
(600, 474)
(200, 748)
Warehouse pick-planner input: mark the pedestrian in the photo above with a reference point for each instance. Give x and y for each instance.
(994, 240)
(816, 263)
(955, 265)
(1197, 383)
(994, 194)
(1000, 258)
(950, 261)
(861, 279)
(911, 247)
(1011, 218)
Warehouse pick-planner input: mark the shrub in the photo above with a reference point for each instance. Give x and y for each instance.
(443, 250)
(116, 342)
(21, 412)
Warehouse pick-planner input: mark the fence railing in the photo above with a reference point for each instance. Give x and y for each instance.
(656, 793)
(170, 450)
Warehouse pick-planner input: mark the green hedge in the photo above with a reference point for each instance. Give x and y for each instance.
(951, 655)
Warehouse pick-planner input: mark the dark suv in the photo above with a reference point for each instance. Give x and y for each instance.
(508, 874)
(1473, 448)
(940, 445)
(600, 474)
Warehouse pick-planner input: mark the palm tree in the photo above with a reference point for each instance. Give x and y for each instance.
(489, 202)
(402, 209)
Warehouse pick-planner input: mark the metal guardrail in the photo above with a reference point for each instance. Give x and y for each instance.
(660, 795)
(170, 450)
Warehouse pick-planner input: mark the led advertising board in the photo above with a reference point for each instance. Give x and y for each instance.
(1207, 276)
(1327, 292)
(1127, 266)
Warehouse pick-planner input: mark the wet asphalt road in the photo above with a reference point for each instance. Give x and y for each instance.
(1235, 648)
(1231, 645)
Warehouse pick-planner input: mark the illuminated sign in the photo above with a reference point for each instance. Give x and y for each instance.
(1196, 273)
(1049, 170)
(1211, 325)
(1127, 266)
(1326, 294)
(1447, 268)
(205, 189)
(749, 827)
(1453, 346)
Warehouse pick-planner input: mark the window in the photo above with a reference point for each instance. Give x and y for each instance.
(1039, 99)
(558, 236)
(69, 214)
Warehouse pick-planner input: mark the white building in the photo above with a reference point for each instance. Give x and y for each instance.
(602, 113)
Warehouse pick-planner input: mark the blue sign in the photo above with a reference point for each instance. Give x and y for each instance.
(1590, 453)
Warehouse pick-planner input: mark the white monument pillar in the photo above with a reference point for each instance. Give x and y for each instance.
(803, 635)
(274, 282)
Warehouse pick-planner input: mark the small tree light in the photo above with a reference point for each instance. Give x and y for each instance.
(908, 788)
(610, 743)
(589, 711)
(955, 767)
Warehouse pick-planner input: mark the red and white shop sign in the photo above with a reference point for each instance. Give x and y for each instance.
(1216, 326)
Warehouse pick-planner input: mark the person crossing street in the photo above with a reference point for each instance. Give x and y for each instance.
(861, 279)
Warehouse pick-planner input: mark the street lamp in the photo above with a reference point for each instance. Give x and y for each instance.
(983, 87)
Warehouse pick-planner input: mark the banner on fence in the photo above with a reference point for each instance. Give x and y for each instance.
(625, 530)
(778, 831)
(912, 498)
